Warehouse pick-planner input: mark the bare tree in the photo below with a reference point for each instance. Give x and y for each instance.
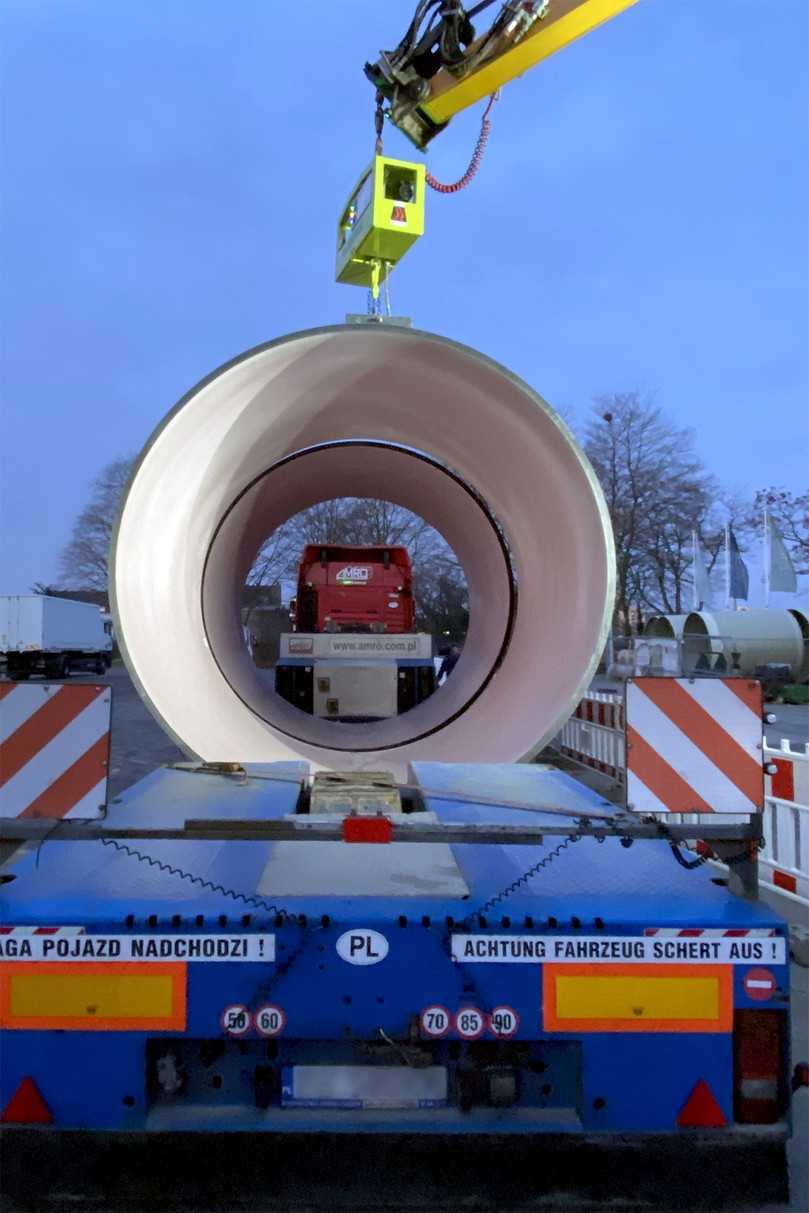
(442, 601)
(790, 512)
(83, 561)
(657, 492)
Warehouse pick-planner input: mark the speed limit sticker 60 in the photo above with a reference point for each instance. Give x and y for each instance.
(435, 1021)
(504, 1022)
(469, 1023)
(270, 1020)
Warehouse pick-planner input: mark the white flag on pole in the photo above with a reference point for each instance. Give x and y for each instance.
(702, 580)
(781, 569)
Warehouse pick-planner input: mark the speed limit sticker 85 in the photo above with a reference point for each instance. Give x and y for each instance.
(469, 1023)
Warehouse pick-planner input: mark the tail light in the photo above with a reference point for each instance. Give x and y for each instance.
(759, 1050)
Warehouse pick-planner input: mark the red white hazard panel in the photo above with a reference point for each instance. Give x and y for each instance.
(694, 746)
(54, 749)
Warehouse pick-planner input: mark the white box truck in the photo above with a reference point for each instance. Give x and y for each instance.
(53, 636)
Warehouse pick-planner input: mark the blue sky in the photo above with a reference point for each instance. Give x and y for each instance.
(174, 172)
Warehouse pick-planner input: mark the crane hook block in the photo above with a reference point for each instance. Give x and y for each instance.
(384, 215)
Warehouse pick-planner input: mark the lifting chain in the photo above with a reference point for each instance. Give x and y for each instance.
(379, 122)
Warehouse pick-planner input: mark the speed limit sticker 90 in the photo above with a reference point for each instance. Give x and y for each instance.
(469, 1023)
(435, 1021)
(504, 1022)
(270, 1020)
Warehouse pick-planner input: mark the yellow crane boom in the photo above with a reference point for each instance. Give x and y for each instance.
(437, 71)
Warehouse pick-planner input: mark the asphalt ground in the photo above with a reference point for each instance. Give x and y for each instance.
(363, 1175)
(791, 723)
(138, 741)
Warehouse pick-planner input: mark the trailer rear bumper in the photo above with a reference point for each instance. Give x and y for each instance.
(734, 1138)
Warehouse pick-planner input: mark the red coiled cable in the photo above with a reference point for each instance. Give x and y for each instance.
(477, 156)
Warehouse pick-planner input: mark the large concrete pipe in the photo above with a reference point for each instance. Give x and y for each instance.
(802, 620)
(375, 412)
(757, 637)
(664, 627)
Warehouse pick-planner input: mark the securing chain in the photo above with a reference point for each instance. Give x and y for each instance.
(691, 864)
(528, 875)
(282, 967)
(469, 986)
(210, 885)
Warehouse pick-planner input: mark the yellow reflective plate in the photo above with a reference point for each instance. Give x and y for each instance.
(107, 996)
(637, 998)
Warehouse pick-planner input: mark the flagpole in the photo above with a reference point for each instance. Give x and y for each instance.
(767, 549)
(697, 603)
(728, 599)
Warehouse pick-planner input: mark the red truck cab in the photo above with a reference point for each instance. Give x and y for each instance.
(348, 588)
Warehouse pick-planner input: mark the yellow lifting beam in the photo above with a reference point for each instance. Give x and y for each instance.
(383, 217)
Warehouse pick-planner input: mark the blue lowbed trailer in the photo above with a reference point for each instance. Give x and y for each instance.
(427, 987)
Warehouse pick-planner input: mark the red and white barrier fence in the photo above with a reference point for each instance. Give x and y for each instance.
(785, 856)
(54, 749)
(595, 737)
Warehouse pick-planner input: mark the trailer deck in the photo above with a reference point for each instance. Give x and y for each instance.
(427, 987)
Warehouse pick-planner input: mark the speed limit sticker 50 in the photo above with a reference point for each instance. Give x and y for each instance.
(236, 1019)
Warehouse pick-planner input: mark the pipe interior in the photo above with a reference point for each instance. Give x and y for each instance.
(410, 479)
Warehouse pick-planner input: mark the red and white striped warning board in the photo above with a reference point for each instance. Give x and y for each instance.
(712, 932)
(694, 746)
(54, 749)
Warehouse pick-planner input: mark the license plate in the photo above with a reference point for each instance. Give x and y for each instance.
(363, 1087)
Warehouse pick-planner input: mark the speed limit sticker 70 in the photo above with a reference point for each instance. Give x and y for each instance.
(504, 1022)
(435, 1021)
(270, 1020)
(469, 1023)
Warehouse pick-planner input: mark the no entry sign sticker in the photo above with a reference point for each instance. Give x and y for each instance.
(759, 984)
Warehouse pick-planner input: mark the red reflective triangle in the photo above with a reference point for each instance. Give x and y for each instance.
(701, 1111)
(26, 1106)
